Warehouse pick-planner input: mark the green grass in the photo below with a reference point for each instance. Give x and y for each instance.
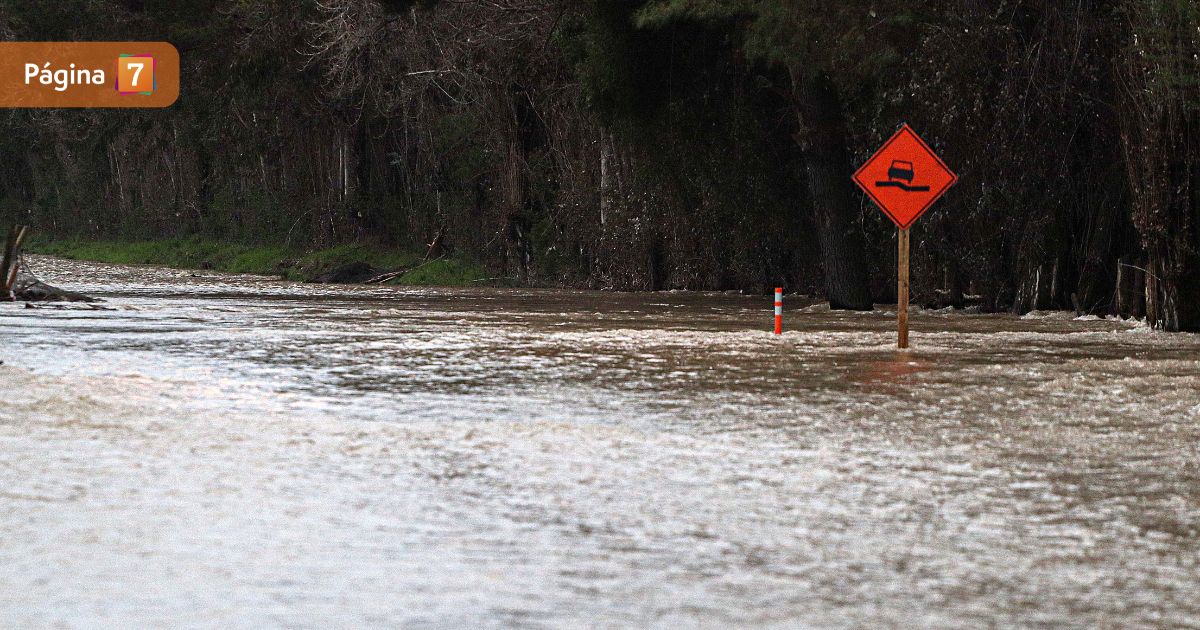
(190, 253)
(443, 273)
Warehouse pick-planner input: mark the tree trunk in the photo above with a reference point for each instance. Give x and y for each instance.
(1130, 294)
(1169, 221)
(827, 171)
(1176, 292)
(953, 285)
(1188, 305)
(606, 177)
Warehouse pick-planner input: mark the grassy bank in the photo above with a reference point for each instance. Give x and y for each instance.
(266, 260)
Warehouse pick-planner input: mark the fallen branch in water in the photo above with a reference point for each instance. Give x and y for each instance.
(30, 289)
(10, 264)
(17, 282)
(62, 305)
(391, 275)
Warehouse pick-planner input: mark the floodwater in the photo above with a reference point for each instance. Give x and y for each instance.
(230, 451)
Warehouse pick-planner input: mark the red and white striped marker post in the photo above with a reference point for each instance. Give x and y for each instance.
(779, 310)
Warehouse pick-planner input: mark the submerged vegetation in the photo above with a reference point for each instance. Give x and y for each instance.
(642, 144)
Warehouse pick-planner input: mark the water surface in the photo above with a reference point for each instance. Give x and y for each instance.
(233, 451)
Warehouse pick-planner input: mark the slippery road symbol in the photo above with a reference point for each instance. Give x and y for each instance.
(889, 176)
(901, 175)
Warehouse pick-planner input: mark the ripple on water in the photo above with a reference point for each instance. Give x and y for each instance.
(281, 454)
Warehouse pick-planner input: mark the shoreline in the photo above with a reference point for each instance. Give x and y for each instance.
(342, 264)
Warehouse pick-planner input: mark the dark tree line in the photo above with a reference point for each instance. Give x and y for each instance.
(651, 144)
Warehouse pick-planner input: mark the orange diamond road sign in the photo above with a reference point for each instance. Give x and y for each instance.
(905, 177)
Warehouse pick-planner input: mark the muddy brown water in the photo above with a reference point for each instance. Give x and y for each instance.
(233, 451)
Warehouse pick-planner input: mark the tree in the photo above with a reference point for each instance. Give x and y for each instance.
(817, 52)
(1160, 106)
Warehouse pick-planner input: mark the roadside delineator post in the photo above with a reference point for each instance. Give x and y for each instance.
(779, 310)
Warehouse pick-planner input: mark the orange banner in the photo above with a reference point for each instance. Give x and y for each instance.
(88, 74)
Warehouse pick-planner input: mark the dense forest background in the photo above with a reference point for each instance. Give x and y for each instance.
(653, 144)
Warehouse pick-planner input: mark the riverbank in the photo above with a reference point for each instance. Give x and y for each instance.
(272, 260)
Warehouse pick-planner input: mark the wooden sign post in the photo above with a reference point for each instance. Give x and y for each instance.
(904, 178)
(902, 291)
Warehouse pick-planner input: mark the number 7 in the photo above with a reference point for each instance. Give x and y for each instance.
(136, 72)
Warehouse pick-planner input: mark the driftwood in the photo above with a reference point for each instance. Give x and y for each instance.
(30, 289)
(17, 282)
(10, 264)
(437, 251)
(359, 272)
(382, 278)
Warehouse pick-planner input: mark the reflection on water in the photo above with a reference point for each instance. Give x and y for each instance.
(892, 374)
(221, 450)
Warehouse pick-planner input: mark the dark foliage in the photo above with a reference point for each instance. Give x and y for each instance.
(650, 144)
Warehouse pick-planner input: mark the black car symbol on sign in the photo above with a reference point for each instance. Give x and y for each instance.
(901, 175)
